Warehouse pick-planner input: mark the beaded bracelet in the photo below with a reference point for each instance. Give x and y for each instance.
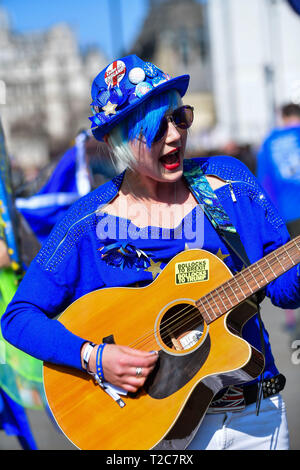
(99, 368)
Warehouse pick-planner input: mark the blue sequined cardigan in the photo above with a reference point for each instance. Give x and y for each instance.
(71, 264)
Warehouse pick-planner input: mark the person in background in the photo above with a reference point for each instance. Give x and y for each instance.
(278, 166)
(278, 171)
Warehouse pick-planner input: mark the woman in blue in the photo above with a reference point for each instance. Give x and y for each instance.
(127, 230)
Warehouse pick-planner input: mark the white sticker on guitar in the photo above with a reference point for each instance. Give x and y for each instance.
(192, 271)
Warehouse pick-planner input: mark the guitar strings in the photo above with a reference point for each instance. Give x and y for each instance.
(168, 323)
(146, 340)
(148, 336)
(193, 307)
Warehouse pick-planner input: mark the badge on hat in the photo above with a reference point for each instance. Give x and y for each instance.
(109, 108)
(136, 75)
(118, 88)
(158, 81)
(150, 70)
(142, 88)
(114, 73)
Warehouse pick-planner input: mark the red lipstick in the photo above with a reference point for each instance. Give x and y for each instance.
(171, 160)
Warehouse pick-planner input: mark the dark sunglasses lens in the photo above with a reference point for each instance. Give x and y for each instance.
(183, 117)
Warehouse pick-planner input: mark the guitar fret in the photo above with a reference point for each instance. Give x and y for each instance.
(226, 296)
(293, 262)
(258, 272)
(207, 315)
(250, 280)
(244, 278)
(219, 295)
(211, 295)
(234, 279)
(233, 291)
(255, 280)
(212, 315)
(279, 260)
(263, 274)
(270, 267)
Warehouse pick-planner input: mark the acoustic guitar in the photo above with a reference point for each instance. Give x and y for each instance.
(192, 314)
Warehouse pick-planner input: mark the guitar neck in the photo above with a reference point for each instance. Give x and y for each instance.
(249, 281)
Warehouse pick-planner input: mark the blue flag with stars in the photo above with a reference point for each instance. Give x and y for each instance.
(68, 182)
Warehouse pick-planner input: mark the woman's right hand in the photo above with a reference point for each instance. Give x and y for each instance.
(120, 365)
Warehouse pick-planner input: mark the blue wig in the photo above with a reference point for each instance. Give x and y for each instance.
(143, 122)
(146, 119)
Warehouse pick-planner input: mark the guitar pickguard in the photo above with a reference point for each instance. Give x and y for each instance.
(173, 372)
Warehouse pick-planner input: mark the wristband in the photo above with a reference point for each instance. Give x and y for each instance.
(87, 354)
(99, 368)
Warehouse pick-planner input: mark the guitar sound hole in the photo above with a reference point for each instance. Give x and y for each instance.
(181, 327)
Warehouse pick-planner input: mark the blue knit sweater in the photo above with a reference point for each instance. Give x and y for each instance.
(70, 264)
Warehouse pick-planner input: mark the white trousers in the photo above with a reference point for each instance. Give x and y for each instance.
(243, 430)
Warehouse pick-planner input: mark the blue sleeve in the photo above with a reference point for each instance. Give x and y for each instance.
(284, 292)
(263, 230)
(29, 321)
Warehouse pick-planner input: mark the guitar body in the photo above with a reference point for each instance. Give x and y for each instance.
(157, 317)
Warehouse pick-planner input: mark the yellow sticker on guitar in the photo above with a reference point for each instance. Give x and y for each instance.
(192, 271)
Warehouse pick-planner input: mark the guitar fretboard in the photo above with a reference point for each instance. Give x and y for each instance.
(249, 281)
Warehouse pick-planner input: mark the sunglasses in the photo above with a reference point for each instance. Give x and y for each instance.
(182, 118)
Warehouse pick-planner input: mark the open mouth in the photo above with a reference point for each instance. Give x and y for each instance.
(171, 160)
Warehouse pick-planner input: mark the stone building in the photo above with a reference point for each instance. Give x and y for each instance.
(256, 62)
(243, 60)
(175, 37)
(44, 90)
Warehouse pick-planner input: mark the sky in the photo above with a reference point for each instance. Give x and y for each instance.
(90, 20)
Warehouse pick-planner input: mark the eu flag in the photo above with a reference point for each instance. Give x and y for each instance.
(69, 181)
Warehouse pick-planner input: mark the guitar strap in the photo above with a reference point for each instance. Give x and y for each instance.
(221, 222)
(215, 212)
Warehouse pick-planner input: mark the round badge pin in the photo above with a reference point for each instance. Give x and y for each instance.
(150, 70)
(158, 81)
(114, 73)
(136, 75)
(142, 89)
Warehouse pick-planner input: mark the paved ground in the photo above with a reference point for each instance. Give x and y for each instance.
(288, 361)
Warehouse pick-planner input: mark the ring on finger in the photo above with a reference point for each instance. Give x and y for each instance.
(139, 372)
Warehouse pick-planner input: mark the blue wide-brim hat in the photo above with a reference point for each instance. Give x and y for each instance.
(124, 85)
